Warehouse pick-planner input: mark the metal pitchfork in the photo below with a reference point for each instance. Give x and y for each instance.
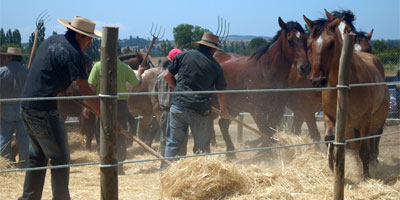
(155, 37)
(222, 25)
(40, 20)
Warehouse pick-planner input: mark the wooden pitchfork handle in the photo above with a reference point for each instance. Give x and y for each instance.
(263, 135)
(148, 52)
(124, 132)
(33, 47)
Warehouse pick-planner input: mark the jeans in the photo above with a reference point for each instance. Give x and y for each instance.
(163, 127)
(48, 138)
(10, 121)
(177, 128)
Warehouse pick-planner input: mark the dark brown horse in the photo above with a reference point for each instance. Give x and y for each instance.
(269, 67)
(368, 106)
(134, 60)
(361, 42)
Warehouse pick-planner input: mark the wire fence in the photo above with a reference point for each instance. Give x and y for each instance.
(198, 155)
(196, 92)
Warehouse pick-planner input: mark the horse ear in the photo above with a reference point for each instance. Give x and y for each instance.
(309, 22)
(329, 15)
(282, 24)
(335, 23)
(369, 36)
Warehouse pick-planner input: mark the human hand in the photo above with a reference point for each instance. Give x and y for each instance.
(85, 113)
(224, 113)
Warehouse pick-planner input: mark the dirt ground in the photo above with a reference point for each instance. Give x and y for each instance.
(285, 173)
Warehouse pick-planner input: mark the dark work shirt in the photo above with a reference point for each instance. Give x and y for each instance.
(12, 80)
(58, 61)
(197, 71)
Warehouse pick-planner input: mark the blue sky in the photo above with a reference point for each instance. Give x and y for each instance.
(251, 17)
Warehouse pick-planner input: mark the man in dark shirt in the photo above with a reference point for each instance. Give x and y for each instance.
(12, 81)
(197, 71)
(58, 62)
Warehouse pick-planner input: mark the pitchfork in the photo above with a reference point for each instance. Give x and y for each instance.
(43, 16)
(222, 25)
(155, 37)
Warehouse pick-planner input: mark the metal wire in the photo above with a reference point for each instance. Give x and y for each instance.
(198, 155)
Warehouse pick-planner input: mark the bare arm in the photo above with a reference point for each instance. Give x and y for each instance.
(139, 75)
(86, 90)
(170, 78)
(222, 104)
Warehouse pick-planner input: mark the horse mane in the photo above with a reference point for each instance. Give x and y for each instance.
(359, 36)
(319, 26)
(263, 50)
(349, 17)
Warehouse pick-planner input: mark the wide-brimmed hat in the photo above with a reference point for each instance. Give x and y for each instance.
(209, 40)
(14, 51)
(81, 25)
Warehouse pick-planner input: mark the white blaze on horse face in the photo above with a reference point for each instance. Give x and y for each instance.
(357, 47)
(298, 34)
(320, 41)
(342, 26)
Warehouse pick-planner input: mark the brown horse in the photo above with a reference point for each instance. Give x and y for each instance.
(267, 68)
(134, 60)
(368, 106)
(143, 105)
(361, 42)
(306, 112)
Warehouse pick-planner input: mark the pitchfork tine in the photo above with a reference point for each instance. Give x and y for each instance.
(159, 31)
(217, 27)
(151, 30)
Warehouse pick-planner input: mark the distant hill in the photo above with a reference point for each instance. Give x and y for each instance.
(245, 37)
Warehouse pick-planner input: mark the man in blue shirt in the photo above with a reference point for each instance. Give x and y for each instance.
(12, 81)
(58, 62)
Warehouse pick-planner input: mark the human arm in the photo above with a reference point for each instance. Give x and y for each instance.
(169, 77)
(139, 75)
(222, 104)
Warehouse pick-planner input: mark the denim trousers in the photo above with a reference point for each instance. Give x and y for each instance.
(10, 121)
(180, 119)
(48, 140)
(163, 127)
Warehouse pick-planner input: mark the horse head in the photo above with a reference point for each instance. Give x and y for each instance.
(361, 42)
(324, 48)
(295, 45)
(346, 24)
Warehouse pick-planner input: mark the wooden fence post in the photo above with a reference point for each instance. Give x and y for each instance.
(341, 114)
(108, 107)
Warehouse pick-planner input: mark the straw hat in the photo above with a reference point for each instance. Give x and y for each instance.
(81, 25)
(14, 51)
(209, 40)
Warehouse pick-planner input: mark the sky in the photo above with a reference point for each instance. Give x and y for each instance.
(250, 17)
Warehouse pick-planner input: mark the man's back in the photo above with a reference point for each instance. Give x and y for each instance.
(58, 62)
(198, 71)
(12, 80)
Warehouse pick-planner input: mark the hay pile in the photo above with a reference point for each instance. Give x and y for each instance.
(293, 173)
(203, 178)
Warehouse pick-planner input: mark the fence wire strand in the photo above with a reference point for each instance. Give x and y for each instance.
(197, 155)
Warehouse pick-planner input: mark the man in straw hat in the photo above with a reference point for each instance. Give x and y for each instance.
(197, 71)
(58, 62)
(12, 81)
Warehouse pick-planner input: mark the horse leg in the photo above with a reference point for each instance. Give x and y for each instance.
(312, 126)
(375, 147)
(365, 157)
(297, 122)
(213, 140)
(224, 127)
(329, 136)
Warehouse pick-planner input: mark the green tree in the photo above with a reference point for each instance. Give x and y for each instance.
(9, 36)
(256, 43)
(186, 34)
(16, 37)
(54, 33)
(2, 36)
